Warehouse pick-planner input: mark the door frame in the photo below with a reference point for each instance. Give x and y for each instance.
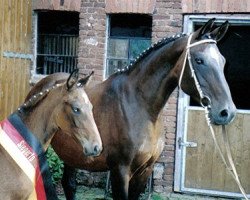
(183, 108)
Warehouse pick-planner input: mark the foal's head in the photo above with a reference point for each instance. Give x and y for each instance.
(208, 65)
(74, 115)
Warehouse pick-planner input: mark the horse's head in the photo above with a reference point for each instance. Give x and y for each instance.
(75, 118)
(208, 65)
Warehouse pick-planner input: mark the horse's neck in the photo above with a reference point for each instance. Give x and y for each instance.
(156, 76)
(39, 119)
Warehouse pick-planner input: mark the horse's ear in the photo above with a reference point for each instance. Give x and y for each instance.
(73, 78)
(218, 33)
(84, 81)
(206, 28)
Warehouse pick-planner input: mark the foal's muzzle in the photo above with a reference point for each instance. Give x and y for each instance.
(94, 150)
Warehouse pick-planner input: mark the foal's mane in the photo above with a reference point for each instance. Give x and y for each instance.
(38, 97)
(34, 99)
(147, 51)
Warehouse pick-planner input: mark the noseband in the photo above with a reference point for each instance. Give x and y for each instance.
(206, 104)
(204, 100)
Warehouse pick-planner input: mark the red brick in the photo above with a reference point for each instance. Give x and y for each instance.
(130, 6)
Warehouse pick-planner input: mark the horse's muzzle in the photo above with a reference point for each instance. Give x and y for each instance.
(94, 150)
(224, 116)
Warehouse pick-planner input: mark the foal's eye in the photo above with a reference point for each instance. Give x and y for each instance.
(75, 110)
(198, 61)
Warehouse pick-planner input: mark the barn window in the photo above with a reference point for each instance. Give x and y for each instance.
(57, 42)
(129, 35)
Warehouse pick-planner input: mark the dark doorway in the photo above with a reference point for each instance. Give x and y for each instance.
(235, 48)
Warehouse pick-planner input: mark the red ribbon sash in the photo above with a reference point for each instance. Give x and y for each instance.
(26, 158)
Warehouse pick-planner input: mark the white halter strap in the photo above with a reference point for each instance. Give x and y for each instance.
(188, 56)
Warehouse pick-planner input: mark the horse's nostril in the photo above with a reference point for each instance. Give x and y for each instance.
(97, 149)
(224, 113)
(86, 151)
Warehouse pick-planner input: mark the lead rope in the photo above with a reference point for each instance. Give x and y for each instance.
(231, 167)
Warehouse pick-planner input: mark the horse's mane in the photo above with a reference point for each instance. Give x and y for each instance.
(147, 51)
(42, 88)
(33, 100)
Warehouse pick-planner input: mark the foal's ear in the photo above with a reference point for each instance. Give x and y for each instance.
(73, 77)
(84, 81)
(218, 33)
(206, 28)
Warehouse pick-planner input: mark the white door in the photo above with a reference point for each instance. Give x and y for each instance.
(199, 168)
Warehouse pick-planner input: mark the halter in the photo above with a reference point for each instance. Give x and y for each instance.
(203, 97)
(206, 105)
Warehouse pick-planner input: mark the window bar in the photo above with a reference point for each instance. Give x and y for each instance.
(63, 52)
(70, 47)
(72, 53)
(58, 52)
(53, 64)
(66, 53)
(46, 47)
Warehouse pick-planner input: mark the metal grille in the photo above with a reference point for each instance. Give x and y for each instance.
(56, 53)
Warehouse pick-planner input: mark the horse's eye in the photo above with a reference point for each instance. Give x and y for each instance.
(198, 61)
(76, 110)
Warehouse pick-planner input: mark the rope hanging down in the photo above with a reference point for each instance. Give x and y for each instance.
(230, 164)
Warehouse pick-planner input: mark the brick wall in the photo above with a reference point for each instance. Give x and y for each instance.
(92, 37)
(167, 20)
(130, 6)
(66, 5)
(218, 6)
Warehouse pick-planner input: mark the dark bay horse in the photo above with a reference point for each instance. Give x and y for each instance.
(128, 105)
(63, 106)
